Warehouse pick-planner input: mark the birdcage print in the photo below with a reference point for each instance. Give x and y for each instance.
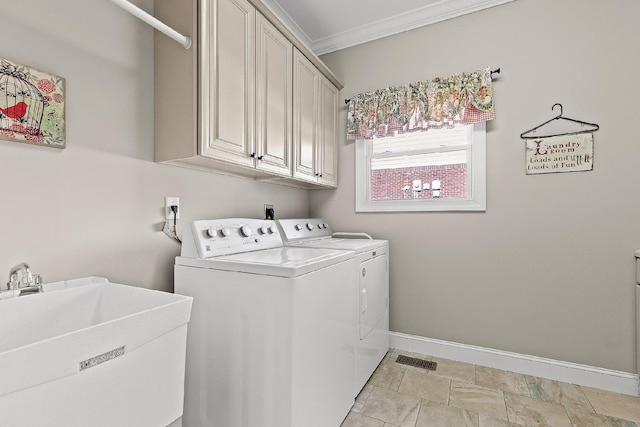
(31, 105)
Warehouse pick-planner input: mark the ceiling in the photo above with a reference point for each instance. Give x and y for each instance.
(330, 25)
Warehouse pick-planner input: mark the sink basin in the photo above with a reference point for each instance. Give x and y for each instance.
(88, 346)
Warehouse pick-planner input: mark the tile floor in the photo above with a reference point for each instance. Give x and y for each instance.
(459, 394)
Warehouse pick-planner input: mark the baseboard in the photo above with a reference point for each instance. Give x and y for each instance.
(583, 375)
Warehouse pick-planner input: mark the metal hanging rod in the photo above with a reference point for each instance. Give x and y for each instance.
(496, 71)
(155, 23)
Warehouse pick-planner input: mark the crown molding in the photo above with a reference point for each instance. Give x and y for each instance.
(427, 15)
(293, 26)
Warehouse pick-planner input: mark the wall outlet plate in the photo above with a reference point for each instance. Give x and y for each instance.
(268, 209)
(168, 202)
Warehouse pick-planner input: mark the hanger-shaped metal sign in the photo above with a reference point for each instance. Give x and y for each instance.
(528, 134)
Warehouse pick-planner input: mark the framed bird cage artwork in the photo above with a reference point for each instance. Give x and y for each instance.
(32, 106)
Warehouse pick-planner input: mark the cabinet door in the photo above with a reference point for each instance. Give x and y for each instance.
(273, 98)
(228, 75)
(327, 143)
(305, 101)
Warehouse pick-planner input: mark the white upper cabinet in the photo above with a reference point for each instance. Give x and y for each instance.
(273, 99)
(315, 109)
(227, 109)
(243, 100)
(327, 148)
(305, 118)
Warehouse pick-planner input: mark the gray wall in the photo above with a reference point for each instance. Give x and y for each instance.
(548, 269)
(96, 208)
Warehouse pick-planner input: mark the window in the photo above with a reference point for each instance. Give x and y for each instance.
(436, 170)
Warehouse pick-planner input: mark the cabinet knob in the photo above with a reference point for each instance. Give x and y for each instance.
(260, 157)
(252, 155)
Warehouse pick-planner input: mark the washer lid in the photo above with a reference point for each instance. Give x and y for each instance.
(288, 261)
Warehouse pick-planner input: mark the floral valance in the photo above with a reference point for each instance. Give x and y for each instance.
(441, 102)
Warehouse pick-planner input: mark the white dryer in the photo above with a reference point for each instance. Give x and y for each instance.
(371, 274)
(270, 343)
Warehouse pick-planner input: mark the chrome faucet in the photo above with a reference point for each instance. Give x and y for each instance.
(22, 281)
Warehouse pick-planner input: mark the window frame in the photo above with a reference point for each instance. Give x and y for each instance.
(476, 170)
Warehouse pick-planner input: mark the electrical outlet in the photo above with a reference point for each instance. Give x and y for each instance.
(168, 202)
(269, 212)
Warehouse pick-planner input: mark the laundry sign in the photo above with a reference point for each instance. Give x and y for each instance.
(566, 153)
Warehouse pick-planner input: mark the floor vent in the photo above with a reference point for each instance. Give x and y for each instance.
(418, 363)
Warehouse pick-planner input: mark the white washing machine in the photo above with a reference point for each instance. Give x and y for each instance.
(270, 343)
(371, 274)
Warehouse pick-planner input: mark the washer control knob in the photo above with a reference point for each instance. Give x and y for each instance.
(325, 225)
(224, 232)
(298, 227)
(309, 226)
(245, 231)
(212, 232)
(271, 229)
(263, 230)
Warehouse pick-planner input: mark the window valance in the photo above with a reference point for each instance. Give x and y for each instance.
(441, 102)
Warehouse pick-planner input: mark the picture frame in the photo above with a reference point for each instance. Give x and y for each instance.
(32, 105)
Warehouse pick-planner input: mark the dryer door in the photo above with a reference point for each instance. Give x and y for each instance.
(373, 294)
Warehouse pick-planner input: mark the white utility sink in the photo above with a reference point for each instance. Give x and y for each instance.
(89, 352)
